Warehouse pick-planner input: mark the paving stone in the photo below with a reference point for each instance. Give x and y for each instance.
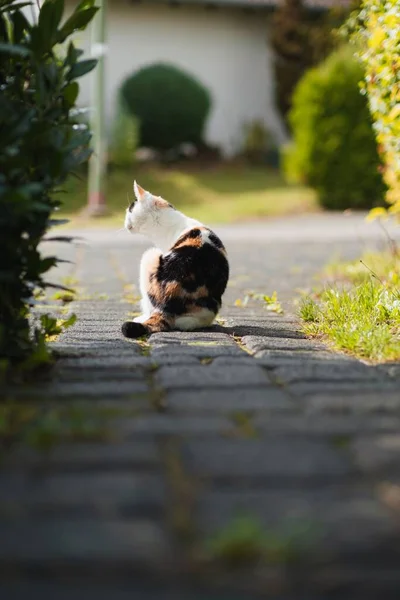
(357, 386)
(359, 401)
(84, 389)
(220, 400)
(139, 543)
(257, 343)
(242, 359)
(122, 589)
(325, 424)
(165, 358)
(139, 454)
(284, 357)
(93, 348)
(185, 337)
(103, 363)
(277, 457)
(378, 454)
(99, 374)
(205, 376)
(102, 494)
(327, 372)
(158, 424)
(198, 351)
(264, 331)
(258, 318)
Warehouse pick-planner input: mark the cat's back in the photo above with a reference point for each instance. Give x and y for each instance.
(198, 257)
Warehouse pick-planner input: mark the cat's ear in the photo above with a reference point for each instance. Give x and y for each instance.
(139, 191)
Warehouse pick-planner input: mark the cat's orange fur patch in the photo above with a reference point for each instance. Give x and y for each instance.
(158, 322)
(201, 292)
(161, 203)
(156, 291)
(196, 242)
(174, 288)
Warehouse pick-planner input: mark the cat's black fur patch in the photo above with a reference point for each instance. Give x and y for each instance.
(212, 304)
(207, 265)
(215, 240)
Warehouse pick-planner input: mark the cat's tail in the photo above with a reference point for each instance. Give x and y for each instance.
(154, 324)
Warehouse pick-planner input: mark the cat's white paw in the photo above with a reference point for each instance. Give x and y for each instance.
(141, 319)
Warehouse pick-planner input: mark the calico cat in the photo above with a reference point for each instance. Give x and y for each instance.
(181, 280)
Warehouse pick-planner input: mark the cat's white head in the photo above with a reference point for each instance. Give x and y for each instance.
(148, 213)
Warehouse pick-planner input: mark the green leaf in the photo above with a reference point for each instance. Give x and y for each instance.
(20, 25)
(81, 139)
(14, 50)
(70, 93)
(3, 28)
(47, 263)
(54, 222)
(82, 68)
(76, 22)
(11, 6)
(47, 284)
(69, 322)
(49, 19)
(61, 238)
(85, 4)
(72, 55)
(49, 325)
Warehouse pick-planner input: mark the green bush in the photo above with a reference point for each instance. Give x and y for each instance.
(334, 148)
(41, 144)
(171, 106)
(376, 33)
(300, 39)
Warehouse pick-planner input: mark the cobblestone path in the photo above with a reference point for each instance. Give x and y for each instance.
(138, 471)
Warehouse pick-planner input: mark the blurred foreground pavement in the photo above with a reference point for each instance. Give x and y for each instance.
(237, 463)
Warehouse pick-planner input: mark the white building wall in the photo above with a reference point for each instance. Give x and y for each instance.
(226, 49)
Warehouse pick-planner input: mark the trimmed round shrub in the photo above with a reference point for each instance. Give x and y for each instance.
(334, 148)
(171, 106)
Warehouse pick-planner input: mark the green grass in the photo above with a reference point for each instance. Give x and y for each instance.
(223, 194)
(244, 540)
(382, 265)
(360, 313)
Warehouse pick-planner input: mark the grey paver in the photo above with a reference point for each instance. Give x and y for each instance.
(204, 376)
(343, 387)
(197, 350)
(316, 372)
(139, 543)
(171, 424)
(100, 388)
(275, 457)
(242, 399)
(140, 453)
(106, 494)
(379, 453)
(354, 401)
(257, 343)
(325, 425)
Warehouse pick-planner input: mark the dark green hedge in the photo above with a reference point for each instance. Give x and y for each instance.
(334, 148)
(171, 106)
(40, 145)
